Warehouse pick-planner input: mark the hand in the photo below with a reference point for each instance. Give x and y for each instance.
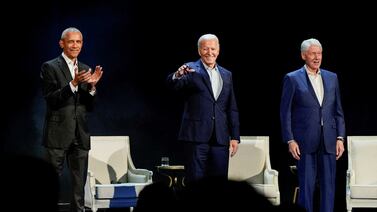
(294, 150)
(96, 76)
(233, 147)
(183, 70)
(81, 77)
(339, 148)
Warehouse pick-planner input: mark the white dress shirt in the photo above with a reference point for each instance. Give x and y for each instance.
(317, 83)
(216, 80)
(72, 65)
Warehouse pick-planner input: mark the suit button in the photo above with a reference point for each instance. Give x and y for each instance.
(213, 118)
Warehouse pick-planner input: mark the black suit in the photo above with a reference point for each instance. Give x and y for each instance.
(65, 132)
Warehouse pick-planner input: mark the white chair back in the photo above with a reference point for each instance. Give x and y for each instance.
(108, 158)
(250, 159)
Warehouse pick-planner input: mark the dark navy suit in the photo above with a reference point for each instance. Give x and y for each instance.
(208, 124)
(315, 128)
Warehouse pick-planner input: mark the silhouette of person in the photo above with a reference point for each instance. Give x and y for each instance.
(219, 194)
(156, 197)
(29, 184)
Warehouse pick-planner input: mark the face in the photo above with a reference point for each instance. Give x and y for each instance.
(208, 51)
(71, 44)
(313, 58)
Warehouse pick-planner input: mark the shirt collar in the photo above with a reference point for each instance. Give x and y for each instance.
(311, 73)
(208, 68)
(68, 61)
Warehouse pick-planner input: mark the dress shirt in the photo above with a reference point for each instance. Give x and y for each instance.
(216, 80)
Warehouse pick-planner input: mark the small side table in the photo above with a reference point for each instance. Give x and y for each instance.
(175, 175)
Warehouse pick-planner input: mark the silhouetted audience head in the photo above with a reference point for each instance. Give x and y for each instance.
(212, 194)
(156, 197)
(29, 184)
(219, 194)
(291, 208)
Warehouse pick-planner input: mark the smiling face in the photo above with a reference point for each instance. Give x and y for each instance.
(208, 51)
(71, 44)
(313, 58)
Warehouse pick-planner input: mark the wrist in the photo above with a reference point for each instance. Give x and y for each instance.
(340, 138)
(74, 83)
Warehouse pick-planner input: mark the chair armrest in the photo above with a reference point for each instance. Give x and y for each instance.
(139, 176)
(90, 190)
(92, 182)
(349, 182)
(350, 177)
(271, 176)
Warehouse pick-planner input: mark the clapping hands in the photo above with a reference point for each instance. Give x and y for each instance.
(88, 77)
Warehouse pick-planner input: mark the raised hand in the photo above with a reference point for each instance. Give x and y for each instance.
(96, 76)
(183, 70)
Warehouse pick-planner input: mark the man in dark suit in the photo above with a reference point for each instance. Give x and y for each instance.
(313, 125)
(69, 88)
(210, 122)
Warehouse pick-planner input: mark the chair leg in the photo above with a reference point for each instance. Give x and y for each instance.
(295, 195)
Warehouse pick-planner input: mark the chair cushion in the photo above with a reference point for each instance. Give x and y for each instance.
(122, 190)
(364, 191)
(136, 178)
(267, 190)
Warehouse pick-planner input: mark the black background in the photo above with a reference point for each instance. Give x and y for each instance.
(139, 43)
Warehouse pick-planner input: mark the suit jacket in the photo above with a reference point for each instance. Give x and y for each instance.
(301, 113)
(65, 109)
(202, 113)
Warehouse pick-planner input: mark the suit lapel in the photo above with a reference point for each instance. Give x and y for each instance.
(326, 82)
(306, 79)
(64, 68)
(222, 75)
(206, 79)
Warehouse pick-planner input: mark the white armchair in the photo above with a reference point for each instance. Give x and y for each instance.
(361, 187)
(113, 181)
(252, 164)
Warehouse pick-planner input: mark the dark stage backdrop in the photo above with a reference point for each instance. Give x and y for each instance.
(140, 43)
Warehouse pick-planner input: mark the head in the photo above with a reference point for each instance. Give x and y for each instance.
(218, 194)
(311, 52)
(36, 171)
(71, 42)
(208, 49)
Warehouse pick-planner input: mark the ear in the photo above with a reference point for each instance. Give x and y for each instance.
(303, 56)
(61, 43)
